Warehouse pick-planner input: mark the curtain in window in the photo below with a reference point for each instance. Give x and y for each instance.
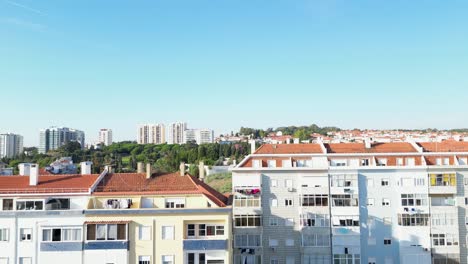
(112, 232)
(100, 232)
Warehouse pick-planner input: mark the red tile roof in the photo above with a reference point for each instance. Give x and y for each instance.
(74, 183)
(394, 147)
(173, 183)
(289, 149)
(445, 146)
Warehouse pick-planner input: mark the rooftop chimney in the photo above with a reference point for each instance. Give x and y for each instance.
(140, 167)
(201, 171)
(148, 170)
(367, 143)
(86, 167)
(182, 168)
(24, 169)
(252, 146)
(108, 168)
(34, 174)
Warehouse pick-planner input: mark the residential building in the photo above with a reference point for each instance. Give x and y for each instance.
(176, 133)
(105, 136)
(55, 137)
(11, 145)
(199, 136)
(125, 218)
(352, 203)
(152, 134)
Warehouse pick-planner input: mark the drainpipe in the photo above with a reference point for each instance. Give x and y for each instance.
(16, 236)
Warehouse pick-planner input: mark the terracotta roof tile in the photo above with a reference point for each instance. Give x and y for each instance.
(48, 184)
(173, 183)
(394, 147)
(445, 146)
(289, 149)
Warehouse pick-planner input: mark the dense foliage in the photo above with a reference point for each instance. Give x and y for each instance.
(123, 156)
(301, 132)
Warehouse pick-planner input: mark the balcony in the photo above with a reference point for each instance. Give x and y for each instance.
(443, 183)
(247, 197)
(205, 244)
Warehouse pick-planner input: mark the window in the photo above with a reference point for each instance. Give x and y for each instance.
(61, 234)
(346, 258)
(4, 234)
(315, 240)
(382, 162)
(175, 203)
(413, 219)
(399, 161)
(444, 239)
(288, 202)
(257, 163)
(7, 204)
(3, 260)
(25, 234)
(314, 200)
(289, 242)
(23, 260)
(410, 162)
(273, 221)
(271, 163)
(144, 260)
(438, 239)
(370, 201)
(413, 200)
(419, 182)
(210, 230)
(247, 220)
(446, 179)
(364, 162)
(274, 202)
(385, 202)
(345, 221)
(247, 197)
(144, 232)
(243, 241)
(371, 260)
(273, 242)
(106, 232)
(29, 205)
(167, 232)
(290, 260)
(289, 222)
(274, 260)
(315, 220)
(274, 183)
(344, 200)
(344, 180)
(58, 204)
(387, 241)
(288, 183)
(384, 182)
(167, 259)
(443, 219)
(247, 259)
(446, 161)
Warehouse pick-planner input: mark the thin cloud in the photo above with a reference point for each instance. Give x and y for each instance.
(25, 24)
(25, 7)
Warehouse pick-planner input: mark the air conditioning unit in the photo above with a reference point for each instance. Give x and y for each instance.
(290, 189)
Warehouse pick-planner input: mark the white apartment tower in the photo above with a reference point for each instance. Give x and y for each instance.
(200, 136)
(11, 145)
(105, 136)
(352, 203)
(176, 133)
(152, 134)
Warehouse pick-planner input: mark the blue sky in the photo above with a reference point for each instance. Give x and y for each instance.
(225, 64)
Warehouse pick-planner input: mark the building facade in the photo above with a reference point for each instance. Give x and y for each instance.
(105, 136)
(176, 133)
(55, 137)
(352, 203)
(199, 136)
(11, 145)
(151, 134)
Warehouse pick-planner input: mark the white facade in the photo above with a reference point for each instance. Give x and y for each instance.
(152, 134)
(105, 136)
(55, 137)
(11, 145)
(200, 136)
(176, 133)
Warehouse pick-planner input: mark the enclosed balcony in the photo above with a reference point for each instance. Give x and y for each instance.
(443, 183)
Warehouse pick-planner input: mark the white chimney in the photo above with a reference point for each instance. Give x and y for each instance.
(252, 146)
(34, 174)
(140, 167)
(24, 169)
(86, 167)
(201, 171)
(288, 141)
(148, 170)
(182, 168)
(108, 168)
(367, 143)
(296, 141)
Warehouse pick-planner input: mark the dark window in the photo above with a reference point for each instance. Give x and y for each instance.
(56, 234)
(91, 232)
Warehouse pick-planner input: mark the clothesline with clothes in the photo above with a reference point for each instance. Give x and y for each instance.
(118, 203)
(254, 191)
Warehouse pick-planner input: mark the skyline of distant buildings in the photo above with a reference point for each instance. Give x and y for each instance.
(11, 145)
(105, 136)
(54, 137)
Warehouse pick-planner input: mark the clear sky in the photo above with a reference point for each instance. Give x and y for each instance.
(229, 63)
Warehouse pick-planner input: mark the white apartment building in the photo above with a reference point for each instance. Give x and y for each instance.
(105, 136)
(152, 134)
(200, 136)
(11, 145)
(176, 133)
(352, 203)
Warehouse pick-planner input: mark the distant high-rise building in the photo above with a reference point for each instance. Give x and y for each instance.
(55, 137)
(105, 136)
(176, 133)
(152, 134)
(200, 136)
(11, 145)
